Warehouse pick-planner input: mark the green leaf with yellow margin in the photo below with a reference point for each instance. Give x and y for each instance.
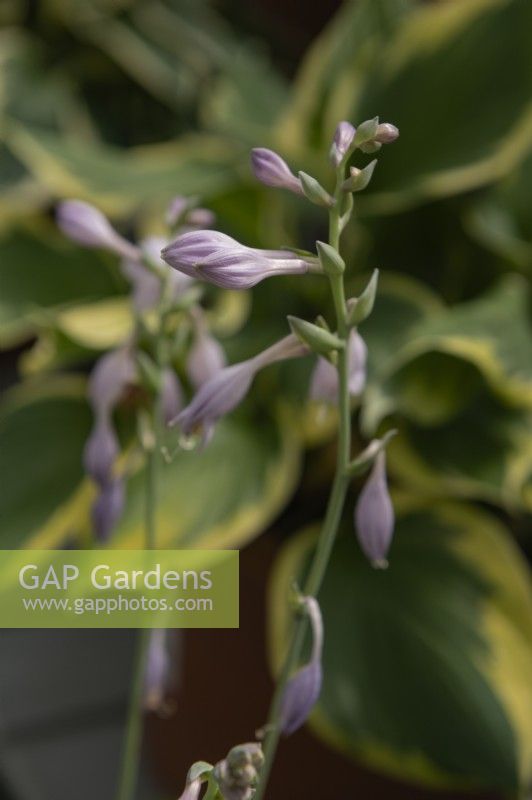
(426, 665)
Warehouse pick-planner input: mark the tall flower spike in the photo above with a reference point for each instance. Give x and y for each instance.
(324, 380)
(221, 260)
(206, 356)
(228, 387)
(303, 689)
(108, 508)
(272, 170)
(86, 225)
(342, 141)
(374, 516)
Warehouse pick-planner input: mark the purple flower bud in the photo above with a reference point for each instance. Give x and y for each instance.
(109, 378)
(228, 387)
(192, 790)
(386, 133)
(159, 676)
(179, 211)
(171, 396)
(219, 259)
(374, 516)
(107, 509)
(84, 224)
(101, 450)
(205, 359)
(324, 380)
(343, 138)
(303, 689)
(146, 286)
(269, 168)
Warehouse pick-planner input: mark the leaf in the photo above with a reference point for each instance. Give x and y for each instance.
(427, 664)
(43, 428)
(40, 274)
(471, 52)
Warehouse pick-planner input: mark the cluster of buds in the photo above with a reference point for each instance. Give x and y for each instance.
(237, 774)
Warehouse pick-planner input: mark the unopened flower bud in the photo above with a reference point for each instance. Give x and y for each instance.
(359, 178)
(366, 132)
(181, 211)
(206, 357)
(318, 339)
(86, 225)
(386, 133)
(343, 139)
(331, 261)
(171, 396)
(314, 191)
(101, 450)
(272, 170)
(359, 308)
(374, 516)
(303, 689)
(324, 381)
(107, 509)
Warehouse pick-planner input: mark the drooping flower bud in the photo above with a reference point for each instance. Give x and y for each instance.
(86, 225)
(101, 450)
(221, 260)
(324, 380)
(109, 378)
(171, 396)
(107, 508)
(303, 689)
(206, 357)
(146, 287)
(342, 141)
(228, 387)
(374, 515)
(272, 170)
(160, 673)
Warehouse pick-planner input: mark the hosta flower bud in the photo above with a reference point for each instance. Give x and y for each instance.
(374, 516)
(272, 170)
(146, 287)
(171, 396)
(237, 774)
(318, 339)
(359, 308)
(221, 260)
(228, 387)
(331, 261)
(159, 675)
(303, 689)
(343, 139)
(314, 191)
(324, 381)
(386, 133)
(86, 225)
(206, 356)
(359, 178)
(109, 378)
(108, 508)
(101, 450)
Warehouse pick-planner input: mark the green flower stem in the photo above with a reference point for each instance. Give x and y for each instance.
(335, 506)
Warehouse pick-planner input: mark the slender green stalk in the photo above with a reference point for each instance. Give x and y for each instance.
(334, 507)
(133, 739)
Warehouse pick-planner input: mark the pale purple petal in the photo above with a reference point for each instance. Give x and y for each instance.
(109, 378)
(324, 380)
(178, 211)
(301, 694)
(343, 138)
(86, 225)
(272, 170)
(386, 133)
(108, 508)
(146, 286)
(171, 396)
(160, 673)
(101, 450)
(374, 515)
(205, 359)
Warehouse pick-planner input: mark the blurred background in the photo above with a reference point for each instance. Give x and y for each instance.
(126, 103)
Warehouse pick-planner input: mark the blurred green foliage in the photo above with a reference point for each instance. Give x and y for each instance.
(128, 103)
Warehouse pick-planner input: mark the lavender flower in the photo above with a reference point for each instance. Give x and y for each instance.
(342, 141)
(180, 212)
(86, 225)
(110, 376)
(171, 396)
(303, 689)
(101, 450)
(272, 170)
(221, 260)
(374, 516)
(108, 508)
(324, 380)
(206, 356)
(159, 674)
(228, 387)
